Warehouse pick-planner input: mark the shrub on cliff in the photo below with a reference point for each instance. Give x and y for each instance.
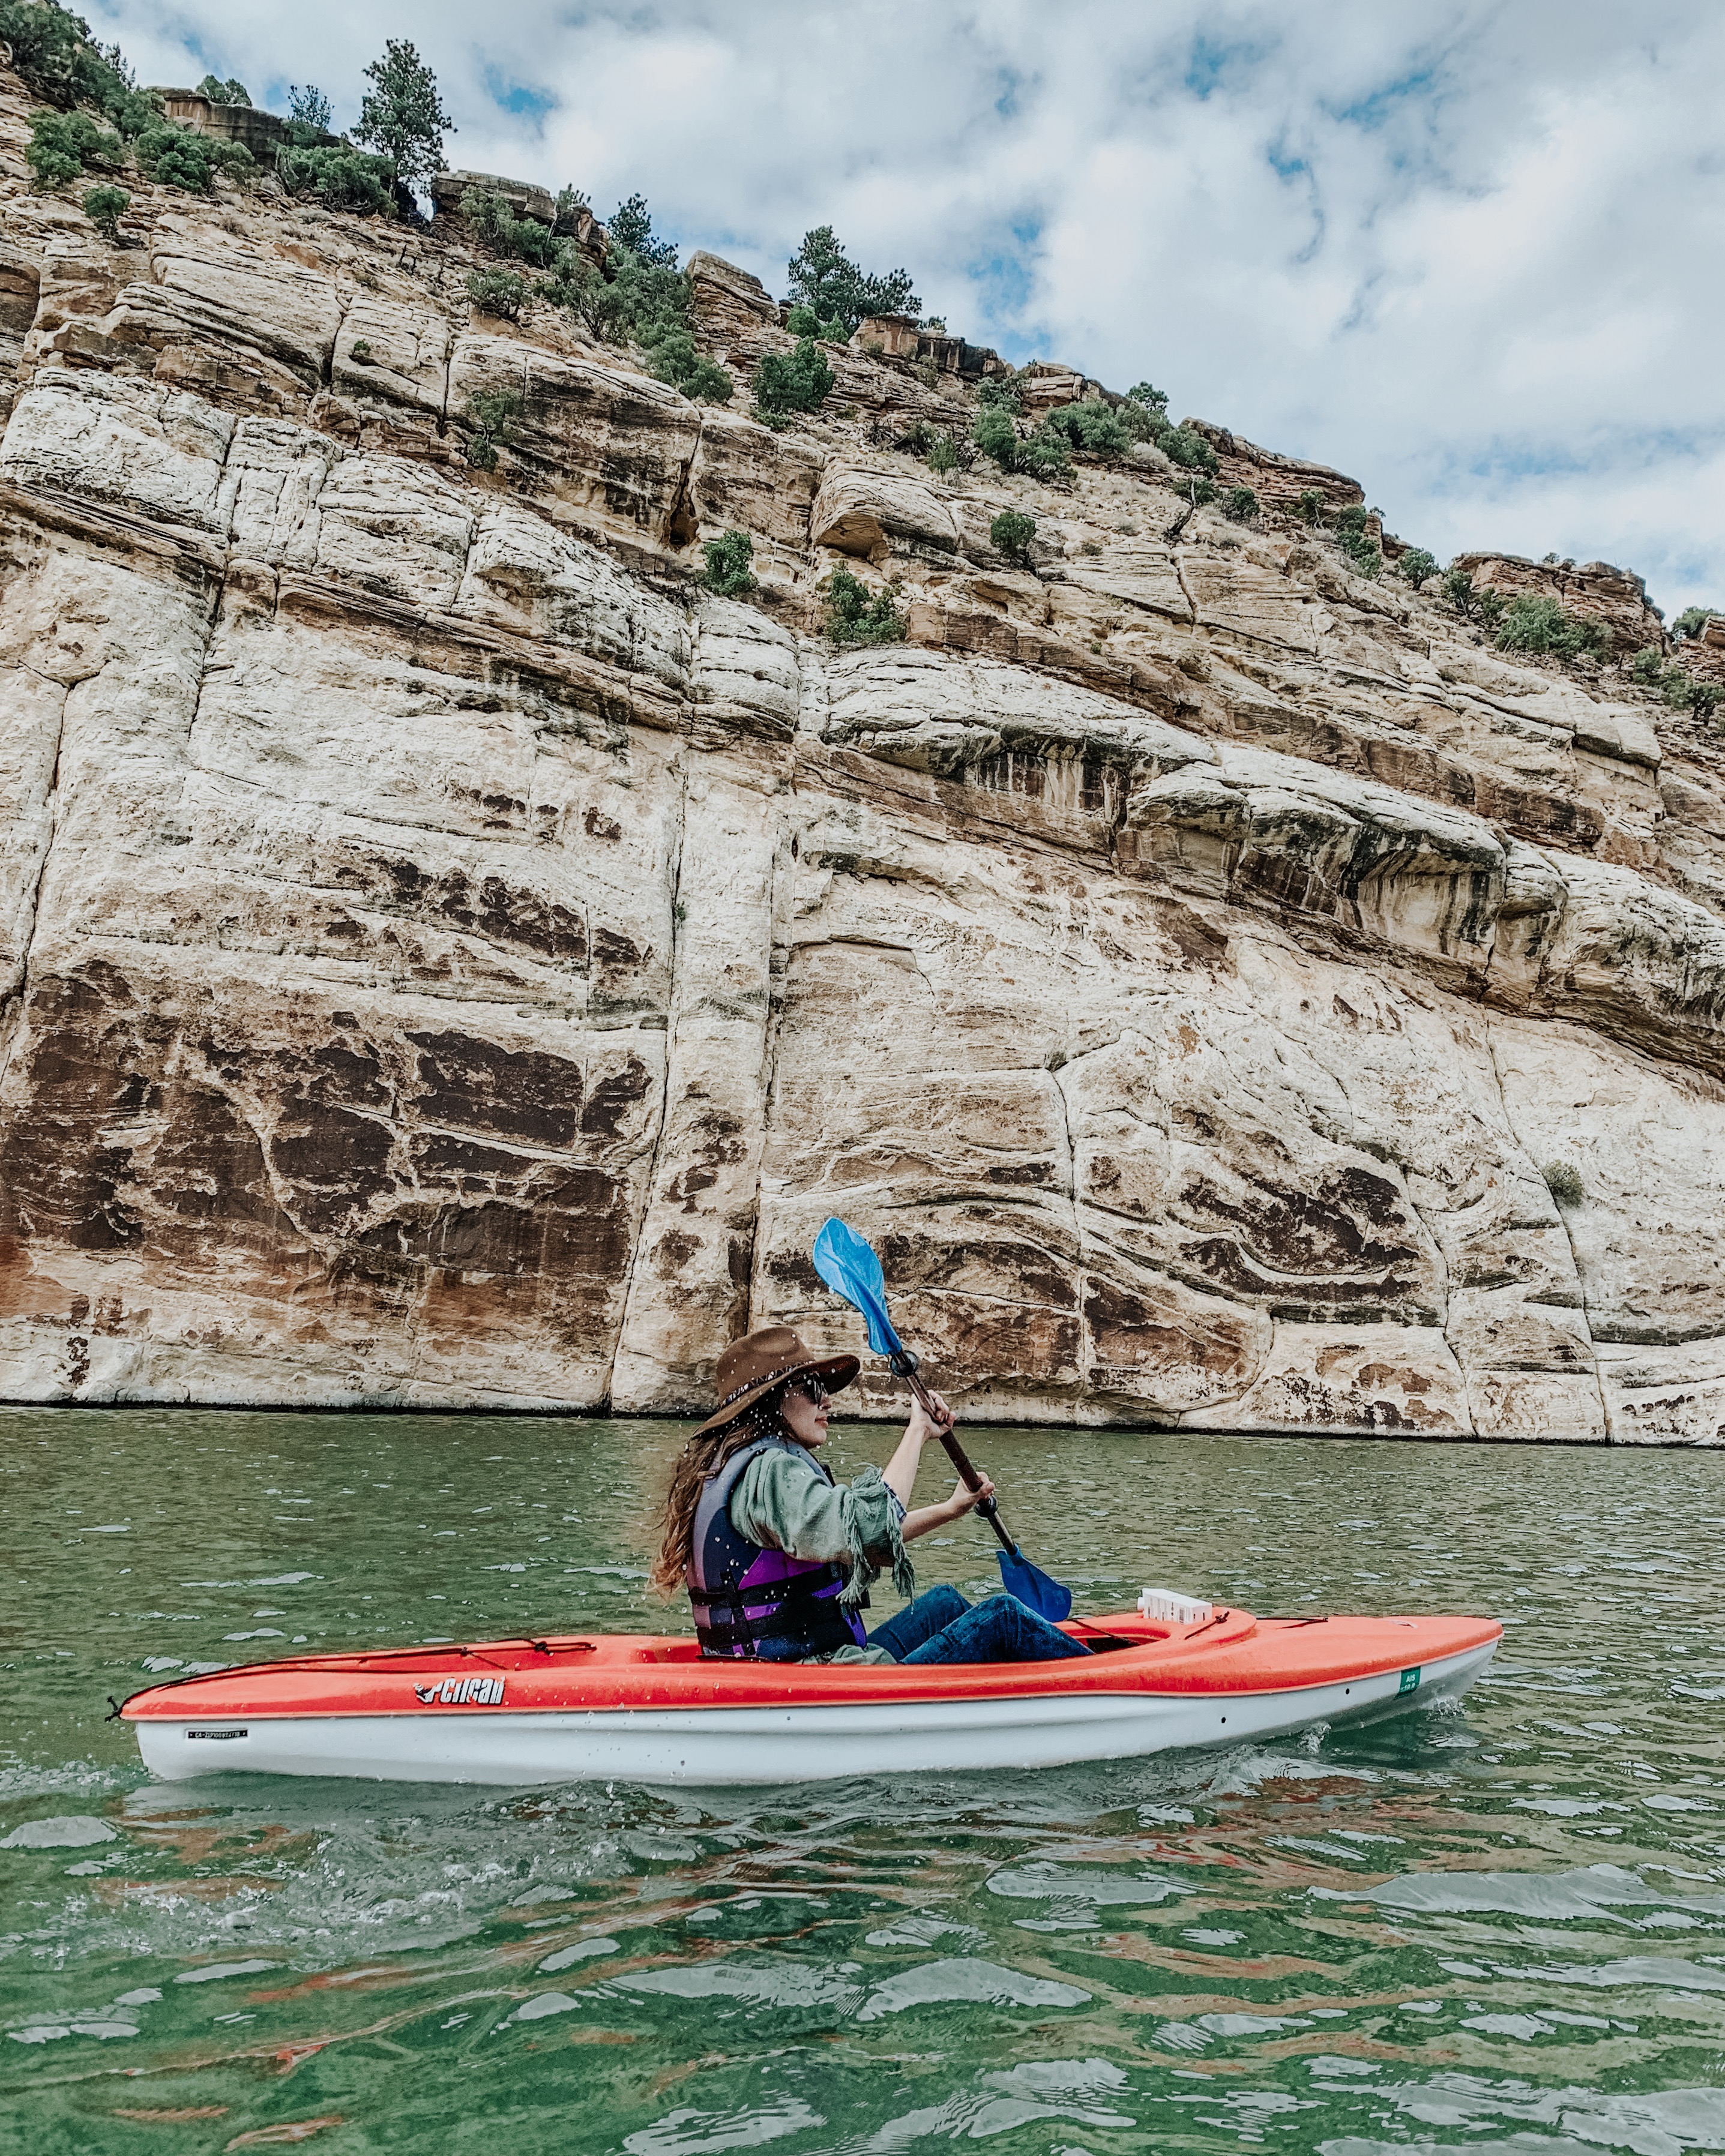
(1240, 505)
(104, 206)
(1149, 399)
(1457, 587)
(64, 145)
(1186, 447)
(492, 413)
(1534, 623)
(500, 292)
(1091, 427)
(945, 452)
(855, 616)
(785, 382)
(729, 569)
(339, 177)
(1417, 566)
(402, 116)
(223, 93)
(805, 322)
(1012, 532)
(1364, 557)
(1647, 667)
(174, 157)
(52, 49)
(825, 279)
(1693, 619)
(997, 392)
(1564, 1185)
(1310, 507)
(517, 238)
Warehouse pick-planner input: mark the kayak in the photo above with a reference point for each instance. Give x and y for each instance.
(643, 1708)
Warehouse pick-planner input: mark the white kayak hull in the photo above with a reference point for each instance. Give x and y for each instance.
(718, 1745)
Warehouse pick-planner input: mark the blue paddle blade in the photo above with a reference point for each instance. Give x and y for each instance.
(1034, 1588)
(845, 1262)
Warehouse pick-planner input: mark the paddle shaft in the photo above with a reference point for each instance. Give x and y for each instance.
(989, 1507)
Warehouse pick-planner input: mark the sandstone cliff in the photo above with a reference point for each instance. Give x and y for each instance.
(447, 959)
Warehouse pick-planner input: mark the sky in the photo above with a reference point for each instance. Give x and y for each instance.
(1468, 251)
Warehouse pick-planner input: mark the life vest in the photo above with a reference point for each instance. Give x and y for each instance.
(762, 1603)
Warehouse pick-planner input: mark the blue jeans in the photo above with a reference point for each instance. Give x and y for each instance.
(941, 1626)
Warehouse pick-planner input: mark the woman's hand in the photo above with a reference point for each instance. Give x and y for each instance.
(922, 1426)
(965, 1500)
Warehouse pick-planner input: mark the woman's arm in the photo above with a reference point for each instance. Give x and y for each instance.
(899, 1473)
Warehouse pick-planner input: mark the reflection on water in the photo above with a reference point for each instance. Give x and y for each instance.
(1497, 1929)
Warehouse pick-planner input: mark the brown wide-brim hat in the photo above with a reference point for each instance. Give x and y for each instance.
(763, 1359)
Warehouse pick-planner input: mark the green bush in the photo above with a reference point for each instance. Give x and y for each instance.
(1490, 607)
(997, 394)
(1310, 507)
(1187, 447)
(342, 178)
(730, 570)
(500, 292)
(1563, 1184)
(790, 382)
(1533, 622)
(1366, 559)
(64, 145)
(517, 238)
(1684, 692)
(805, 322)
(854, 617)
(1044, 456)
(1153, 401)
(1693, 619)
(995, 436)
(943, 452)
(1416, 565)
(492, 413)
(1200, 491)
(825, 280)
(52, 49)
(1456, 586)
(175, 156)
(401, 116)
(1648, 666)
(1012, 532)
(1241, 504)
(1091, 426)
(577, 285)
(1351, 519)
(571, 202)
(223, 93)
(104, 206)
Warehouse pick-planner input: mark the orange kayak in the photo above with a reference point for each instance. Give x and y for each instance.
(646, 1708)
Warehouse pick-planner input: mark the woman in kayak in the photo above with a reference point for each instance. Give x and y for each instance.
(777, 1557)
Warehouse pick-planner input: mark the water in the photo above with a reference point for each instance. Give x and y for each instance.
(1499, 1929)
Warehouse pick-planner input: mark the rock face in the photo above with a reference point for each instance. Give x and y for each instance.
(448, 959)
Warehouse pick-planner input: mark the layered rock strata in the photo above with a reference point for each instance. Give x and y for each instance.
(448, 959)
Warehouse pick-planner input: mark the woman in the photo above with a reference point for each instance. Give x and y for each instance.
(777, 1557)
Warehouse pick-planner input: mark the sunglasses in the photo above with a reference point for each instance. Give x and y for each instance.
(812, 1390)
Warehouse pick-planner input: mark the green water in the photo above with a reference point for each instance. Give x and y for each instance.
(1499, 1929)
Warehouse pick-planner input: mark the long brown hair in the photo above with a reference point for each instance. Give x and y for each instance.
(699, 1458)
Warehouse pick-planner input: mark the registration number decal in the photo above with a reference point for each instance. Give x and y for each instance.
(461, 1692)
(1410, 1681)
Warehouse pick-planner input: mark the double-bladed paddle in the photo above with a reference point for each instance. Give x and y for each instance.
(849, 1266)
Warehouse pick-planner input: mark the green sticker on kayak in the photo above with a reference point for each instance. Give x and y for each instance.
(1410, 1681)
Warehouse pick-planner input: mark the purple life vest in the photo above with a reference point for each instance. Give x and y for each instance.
(762, 1603)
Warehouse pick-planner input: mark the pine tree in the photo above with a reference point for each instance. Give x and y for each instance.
(402, 117)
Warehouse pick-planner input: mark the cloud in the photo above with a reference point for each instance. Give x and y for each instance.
(1467, 252)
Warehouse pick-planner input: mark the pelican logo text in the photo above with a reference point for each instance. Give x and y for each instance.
(461, 1692)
